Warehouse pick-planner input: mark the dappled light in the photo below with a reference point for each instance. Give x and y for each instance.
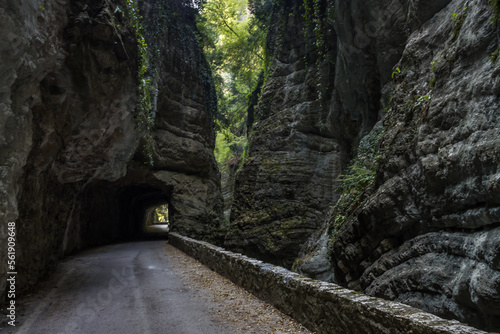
(161, 214)
(156, 221)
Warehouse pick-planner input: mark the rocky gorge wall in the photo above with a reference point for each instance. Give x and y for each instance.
(75, 143)
(416, 82)
(286, 184)
(430, 231)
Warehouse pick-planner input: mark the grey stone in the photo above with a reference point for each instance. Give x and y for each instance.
(72, 147)
(427, 71)
(322, 307)
(287, 182)
(436, 192)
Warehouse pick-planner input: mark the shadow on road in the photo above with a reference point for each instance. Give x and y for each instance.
(155, 232)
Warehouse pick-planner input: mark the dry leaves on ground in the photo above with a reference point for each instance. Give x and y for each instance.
(232, 304)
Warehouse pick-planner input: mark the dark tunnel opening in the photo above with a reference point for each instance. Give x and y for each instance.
(138, 206)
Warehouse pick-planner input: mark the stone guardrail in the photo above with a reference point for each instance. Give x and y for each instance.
(322, 307)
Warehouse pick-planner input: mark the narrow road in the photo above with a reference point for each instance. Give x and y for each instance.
(144, 287)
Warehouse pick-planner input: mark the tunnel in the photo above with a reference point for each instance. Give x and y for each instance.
(139, 202)
(118, 211)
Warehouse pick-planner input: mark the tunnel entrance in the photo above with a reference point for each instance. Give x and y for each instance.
(157, 220)
(146, 211)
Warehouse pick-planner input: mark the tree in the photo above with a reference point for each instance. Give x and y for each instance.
(233, 39)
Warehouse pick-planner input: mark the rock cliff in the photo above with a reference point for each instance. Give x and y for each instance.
(286, 184)
(81, 158)
(429, 234)
(417, 82)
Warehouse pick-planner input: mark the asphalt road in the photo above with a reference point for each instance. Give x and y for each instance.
(137, 288)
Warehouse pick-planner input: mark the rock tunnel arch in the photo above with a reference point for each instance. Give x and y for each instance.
(75, 158)
(118, 210)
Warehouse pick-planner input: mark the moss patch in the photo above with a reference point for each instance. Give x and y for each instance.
(496, 11)
(357, 182)
(458, 19)
(145, 91)
(495, 54)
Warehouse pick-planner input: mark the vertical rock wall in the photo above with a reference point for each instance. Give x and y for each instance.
(73, 149)
(426, 72)
(288, 179)
(429, 235)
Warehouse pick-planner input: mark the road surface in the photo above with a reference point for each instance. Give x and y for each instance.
(144, 288)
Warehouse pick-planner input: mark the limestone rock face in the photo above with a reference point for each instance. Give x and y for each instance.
(287, 181)
(72, 144)
(428, 235)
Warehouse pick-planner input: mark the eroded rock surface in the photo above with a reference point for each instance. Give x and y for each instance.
(73, 147)
(286, 184)
(428, 235)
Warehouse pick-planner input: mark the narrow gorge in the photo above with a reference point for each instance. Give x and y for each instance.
(373, 154)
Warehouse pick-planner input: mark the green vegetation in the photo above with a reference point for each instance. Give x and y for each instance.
(144, 109)
(312, 16)
(432, 82)
(229, 147)
(418, 102)
(495, 6)
(458, 20)
(396, 72)
(496, 11)
(356, 184)
(421, 100)
(494, 55)
(233, 35)
(161, 214)
(317, 14)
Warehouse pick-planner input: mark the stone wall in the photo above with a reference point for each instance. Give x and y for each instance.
(321, 307)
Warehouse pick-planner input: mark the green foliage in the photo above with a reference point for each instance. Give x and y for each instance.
(315, 21)
(161, 213)
(358, 180)
(494, 55)
(317, 15)
(233, 34)
(396, 72)
(421, 100)
(234, 47)
(227, 147)
(222, 151)
(144, 108)
(432, 82)
(458, 20)
(495, 6)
